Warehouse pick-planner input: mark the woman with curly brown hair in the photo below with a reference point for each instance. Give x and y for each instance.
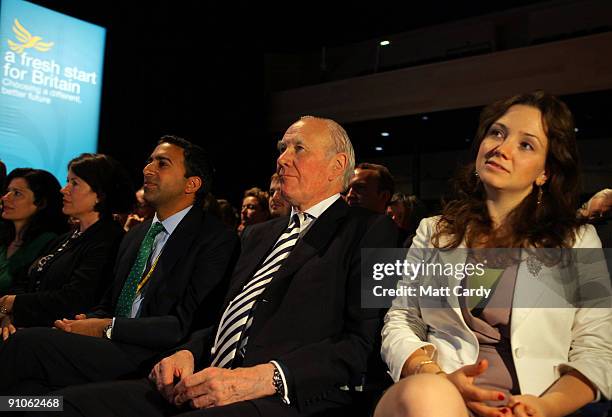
(520, 192)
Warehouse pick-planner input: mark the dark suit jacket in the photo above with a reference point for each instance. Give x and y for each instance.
(186, 287)
(309, 317)
(75, 279)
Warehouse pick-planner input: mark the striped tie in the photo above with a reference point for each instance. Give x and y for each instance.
(236, 316)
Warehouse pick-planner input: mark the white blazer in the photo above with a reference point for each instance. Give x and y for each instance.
(546, 342)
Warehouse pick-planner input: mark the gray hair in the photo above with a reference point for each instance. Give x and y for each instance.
(341, 144)
(585, 210)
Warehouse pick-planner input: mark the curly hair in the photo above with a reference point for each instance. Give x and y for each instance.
(552, 223)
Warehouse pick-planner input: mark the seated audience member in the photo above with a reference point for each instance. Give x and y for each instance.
(292, 332)
(229, 215)
(597, 211)
(142, 211)
(170, 277)
(211, 205)
(371, 187)
(2, 176)
(278, 206)
(599, 205)
(407, 211)
(254, 208)
(32, 210)
(521, 191)
(76, 269)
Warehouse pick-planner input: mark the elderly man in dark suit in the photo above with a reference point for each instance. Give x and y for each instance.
(292, 332)
(170, 274)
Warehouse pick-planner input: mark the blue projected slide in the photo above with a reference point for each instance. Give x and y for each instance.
(50, 80)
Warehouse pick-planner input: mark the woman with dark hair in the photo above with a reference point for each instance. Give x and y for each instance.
(32, 210)
(2, 176)
(452, 356)
(77, 268)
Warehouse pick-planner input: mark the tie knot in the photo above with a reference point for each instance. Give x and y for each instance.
(296, 220)
(155, 229)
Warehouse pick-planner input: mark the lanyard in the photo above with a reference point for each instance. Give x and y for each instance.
(146, 278)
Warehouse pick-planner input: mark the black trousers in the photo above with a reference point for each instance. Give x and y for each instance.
(85, 370)
(135, 398)
(140, 398)
(38, 360)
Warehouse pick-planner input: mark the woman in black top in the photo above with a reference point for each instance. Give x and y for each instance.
(77, 268)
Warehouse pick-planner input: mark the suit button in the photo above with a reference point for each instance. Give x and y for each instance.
(519, 352)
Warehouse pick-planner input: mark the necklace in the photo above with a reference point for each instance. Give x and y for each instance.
(40, 265)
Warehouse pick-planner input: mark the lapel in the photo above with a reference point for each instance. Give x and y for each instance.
(177, 243)
(314, 241)
(136, 237)
(318, 236)
(266, 238)
(527, 291)
(458, 255)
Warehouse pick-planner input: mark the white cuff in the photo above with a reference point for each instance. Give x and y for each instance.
(285, 396)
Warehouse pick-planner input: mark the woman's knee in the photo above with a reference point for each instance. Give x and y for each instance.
(422, 395)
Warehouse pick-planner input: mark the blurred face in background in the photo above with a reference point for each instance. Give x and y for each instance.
(252, 212)
(143, 209)
(278, 206)
(364, 191)
(397, 212)
(18, 202)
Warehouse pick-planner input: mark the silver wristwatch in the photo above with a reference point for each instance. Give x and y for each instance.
(107, 333)
(277, 381)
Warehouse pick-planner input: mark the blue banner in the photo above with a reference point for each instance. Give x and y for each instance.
(50, 80)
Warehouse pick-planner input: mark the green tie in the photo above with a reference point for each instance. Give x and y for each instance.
(128, 293)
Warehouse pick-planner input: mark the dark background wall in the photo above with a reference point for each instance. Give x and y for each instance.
(213, 72)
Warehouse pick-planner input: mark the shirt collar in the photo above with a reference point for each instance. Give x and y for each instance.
(317, 210)
(172, 221)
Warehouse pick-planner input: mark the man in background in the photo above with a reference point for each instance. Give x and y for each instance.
(371, 187)
(278, 206)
